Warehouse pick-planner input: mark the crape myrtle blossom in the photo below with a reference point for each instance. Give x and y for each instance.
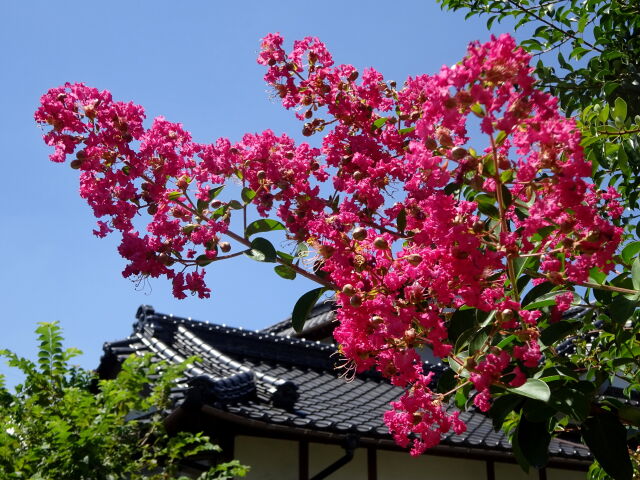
(419, 227)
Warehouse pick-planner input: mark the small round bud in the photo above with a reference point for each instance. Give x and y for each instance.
(506, 315)
(381, 243)
(430, 143)
(183, 182)
(478, 227)
(357, 176)
(261, 174)
(355, 301)
(225, 247)
(414, 259)
(376, 320)
(152, 209)
(359, 234)
(353, 76)
(75, 164)
(458, 153)
(349, 290)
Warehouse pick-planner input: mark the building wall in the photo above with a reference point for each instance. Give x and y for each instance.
(272, 459)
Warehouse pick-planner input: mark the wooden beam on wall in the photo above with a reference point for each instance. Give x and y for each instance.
(372, 463)
(491, 470)
(303, 460)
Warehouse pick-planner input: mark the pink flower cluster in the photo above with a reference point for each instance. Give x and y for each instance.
(418, 224)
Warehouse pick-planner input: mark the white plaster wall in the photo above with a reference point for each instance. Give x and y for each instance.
(269, 459)
(321, 456)
(509, 471)
(402, 466)
(557, 474)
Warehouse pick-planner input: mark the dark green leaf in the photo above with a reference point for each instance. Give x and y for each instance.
(606, 437)
(622, 308)
(557, 331)
(461, 321)
(533, 442)
(235, 205)
(303, 307)
(402, 220)
(262, 250)
(203, 260)
(571, 402)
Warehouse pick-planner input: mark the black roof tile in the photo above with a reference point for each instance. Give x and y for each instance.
(288, 381)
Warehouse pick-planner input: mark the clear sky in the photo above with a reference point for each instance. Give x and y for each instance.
(192, 62)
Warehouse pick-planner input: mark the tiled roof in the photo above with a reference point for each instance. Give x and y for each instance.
(280, 380)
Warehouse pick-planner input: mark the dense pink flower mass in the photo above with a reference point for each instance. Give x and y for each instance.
(418, 224)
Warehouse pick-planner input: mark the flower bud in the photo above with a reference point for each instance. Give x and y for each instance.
(414, 259)
(225, 247)
(349, 290)
(458, 153)
(75, 164)
(261, 174)
(430, 143)
(506, 315)
(381, 243)
(355, 301)
(183, 182)
(359, 234)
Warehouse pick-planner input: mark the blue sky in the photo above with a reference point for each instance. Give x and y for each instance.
(192, 62)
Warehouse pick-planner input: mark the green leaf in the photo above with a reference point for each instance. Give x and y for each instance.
(620, 110)
(285, 257)
(571, 402)
(635, 274)
(285, 271)
(247, 194)
(503, 406)
(405, 131)
(263, 225)
(174, 195)
(533, 388)
(214, 192)
(235, 205)
(548, 299)
(262, 250)
(203, 260)
(606, 437)
(536, 292)
(303, 307)
(378, 123)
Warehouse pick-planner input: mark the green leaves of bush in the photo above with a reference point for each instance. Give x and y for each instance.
(64, 423)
